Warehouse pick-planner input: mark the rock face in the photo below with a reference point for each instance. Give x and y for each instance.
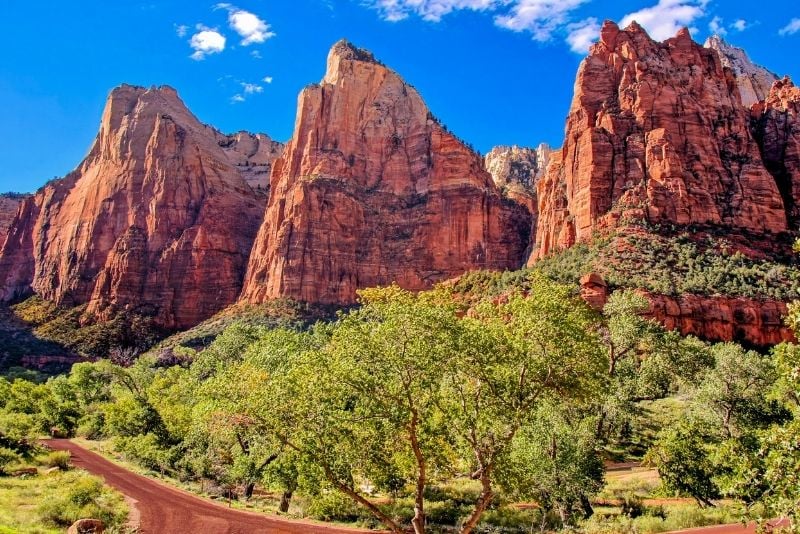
(713, 318)
(656, 131)
(373, 190)
(754, 81)
(517, 166)
(9, 204)
(516, 170)
(754, 322)
(157, 219)
(776, 126)
(253, 155)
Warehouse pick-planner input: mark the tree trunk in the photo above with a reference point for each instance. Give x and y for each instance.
(418, 521)
(586, 505)
(350, 492)
(248, 490)
(484, 500)
(286, 499)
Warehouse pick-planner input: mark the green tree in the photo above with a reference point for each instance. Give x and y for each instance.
(682, 455)
(553, 461)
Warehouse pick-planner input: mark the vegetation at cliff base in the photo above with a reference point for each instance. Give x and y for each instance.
(675, 263)
(437, 413)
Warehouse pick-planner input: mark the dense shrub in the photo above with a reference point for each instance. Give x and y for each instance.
(60, 459)
(7, 457)
(82, 496)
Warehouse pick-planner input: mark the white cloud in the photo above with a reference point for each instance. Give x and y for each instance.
(252, 88)
(583, 34)
(716, 26)
(791, 28)
(235, 99)
(205, 42)
(664, 19)
(267, 79)
(248, 25)
(256, 54)
(739, 25)
(430, 10)
(181, 30)
(539, 17)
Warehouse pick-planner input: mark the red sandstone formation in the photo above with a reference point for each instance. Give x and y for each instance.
(9, 204)
(373, 190)
(594, 290)
(755, 322)
(253, 155)
(655, 131)
(776, 126)
(713, 318)
(156, 219)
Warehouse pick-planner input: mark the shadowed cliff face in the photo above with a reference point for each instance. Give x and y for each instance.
(156, 219)
(776, 126)
(372, 190)
(656, 131)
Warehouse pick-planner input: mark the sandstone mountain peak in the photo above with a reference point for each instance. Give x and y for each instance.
(754, 81)
(643, 141)
(343, 53)
(372, 190)
(157, 219)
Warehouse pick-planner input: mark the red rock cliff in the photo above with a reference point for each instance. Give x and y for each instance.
(156, 219)
(776, 126)
(9, 204)
(655, 131)
(373, 190)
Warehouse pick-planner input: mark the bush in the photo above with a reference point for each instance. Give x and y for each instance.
(91, 426)
(7, 457)
(60, 459)
(508, 519)
(446, 512)
(147, 451)
(82, 496)
(335, 506)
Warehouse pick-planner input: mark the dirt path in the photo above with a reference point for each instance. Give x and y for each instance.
(726, 529)
(164, 509)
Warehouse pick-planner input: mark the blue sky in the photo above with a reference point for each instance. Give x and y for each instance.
(495, 71)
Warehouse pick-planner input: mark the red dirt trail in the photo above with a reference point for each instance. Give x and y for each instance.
(162, 509)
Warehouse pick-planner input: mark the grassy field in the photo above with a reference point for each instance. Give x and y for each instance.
(53, 498)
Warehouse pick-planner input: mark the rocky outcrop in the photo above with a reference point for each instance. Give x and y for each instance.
(253, 155)
(656, 131)
(754, 81)
(758, 323)
(512, 166)
(753, 322)
(516, 170)
(157, 219)
(9, 204)
(776, 126)
(371, 190)
(594, 290)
